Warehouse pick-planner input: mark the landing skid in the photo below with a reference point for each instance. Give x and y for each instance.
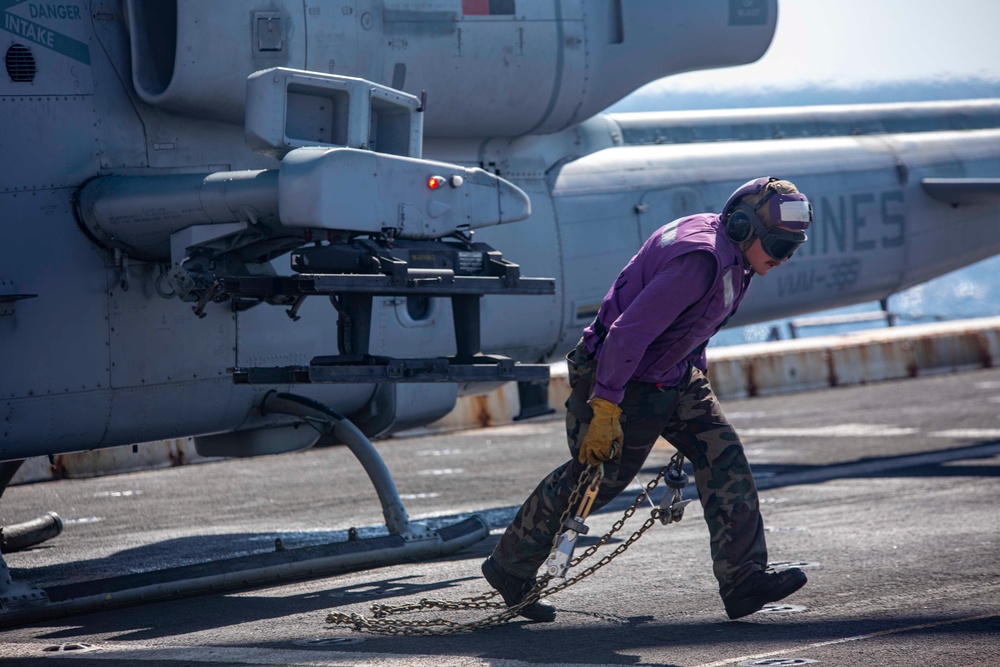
(21, 604)
(29, 605)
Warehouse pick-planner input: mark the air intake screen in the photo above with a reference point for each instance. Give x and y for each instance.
(20, 64)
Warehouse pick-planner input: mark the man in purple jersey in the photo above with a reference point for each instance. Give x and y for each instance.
(639, 373)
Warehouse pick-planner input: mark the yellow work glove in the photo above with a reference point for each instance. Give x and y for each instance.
(604, 437)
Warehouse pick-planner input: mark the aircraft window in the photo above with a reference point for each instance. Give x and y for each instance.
(20, 64)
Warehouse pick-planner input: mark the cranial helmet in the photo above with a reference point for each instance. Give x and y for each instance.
(759, 208)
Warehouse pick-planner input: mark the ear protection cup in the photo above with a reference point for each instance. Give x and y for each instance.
(739, 223)
(730, 208)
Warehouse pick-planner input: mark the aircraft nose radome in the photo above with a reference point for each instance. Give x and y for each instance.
(513, 202)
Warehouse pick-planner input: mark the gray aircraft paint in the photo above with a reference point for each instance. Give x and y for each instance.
(158, 89)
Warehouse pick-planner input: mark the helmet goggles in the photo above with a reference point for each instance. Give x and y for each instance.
(790, 215)
(778, 243)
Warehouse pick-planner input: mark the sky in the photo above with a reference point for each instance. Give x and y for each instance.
(857, 44)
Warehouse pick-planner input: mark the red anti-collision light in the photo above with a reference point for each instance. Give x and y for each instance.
(435, 182)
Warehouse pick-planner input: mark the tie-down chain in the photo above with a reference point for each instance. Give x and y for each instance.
(559, 561)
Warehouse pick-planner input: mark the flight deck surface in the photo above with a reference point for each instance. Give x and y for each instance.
(884, 494)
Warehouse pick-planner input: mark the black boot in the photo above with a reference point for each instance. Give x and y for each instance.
(513, 591)
(762, 588)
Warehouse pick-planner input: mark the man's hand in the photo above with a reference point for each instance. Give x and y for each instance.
(604, 437)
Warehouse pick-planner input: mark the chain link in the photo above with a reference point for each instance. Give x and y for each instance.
(380, 624)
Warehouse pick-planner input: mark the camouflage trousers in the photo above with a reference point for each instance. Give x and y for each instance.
(687, 416)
